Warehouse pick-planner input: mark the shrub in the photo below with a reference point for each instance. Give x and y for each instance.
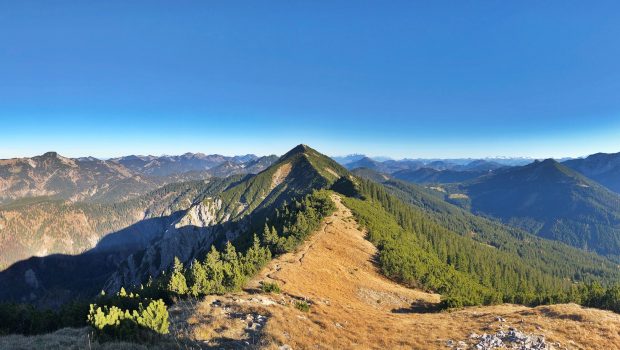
(302, 305)
(117, 323)
(270, 287)
(155, 317)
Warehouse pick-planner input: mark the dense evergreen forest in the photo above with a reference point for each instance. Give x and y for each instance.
(473, 261)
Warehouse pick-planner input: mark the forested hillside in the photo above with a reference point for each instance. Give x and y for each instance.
(550, 200)
(470, 260)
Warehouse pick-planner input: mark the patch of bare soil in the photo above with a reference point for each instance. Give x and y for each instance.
(280, 174)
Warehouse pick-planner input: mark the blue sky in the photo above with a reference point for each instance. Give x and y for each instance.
(397, 78)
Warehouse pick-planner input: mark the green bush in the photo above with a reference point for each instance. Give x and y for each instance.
(154, 317)
(293, 222)
(117, 323)
(270, 287)
(302, 305)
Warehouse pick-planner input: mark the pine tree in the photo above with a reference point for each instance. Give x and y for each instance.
(270, 236)
(233, 274)
(154, 317)
(177, 283)
(255, 258)
(199, 284)
(215, 271)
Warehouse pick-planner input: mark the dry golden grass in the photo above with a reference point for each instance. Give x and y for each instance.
(354, 306)
(81, 339)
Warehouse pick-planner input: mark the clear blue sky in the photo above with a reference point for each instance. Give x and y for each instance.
(397, 78)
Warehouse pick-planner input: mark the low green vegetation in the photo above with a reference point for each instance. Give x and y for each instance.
(403, 257)
(28, 320)
(475, 262)
(302, 305)
(125, 316)
(292, 224)
(218, 273)
(270, 287)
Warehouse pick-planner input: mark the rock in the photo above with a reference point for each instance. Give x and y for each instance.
(500, 319)
(513, 339)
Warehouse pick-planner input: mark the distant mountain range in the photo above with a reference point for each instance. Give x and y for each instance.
(601, 167)
(170, 165)
(359, 160)
(430, 175)
(549, 199)
(95, 180)
(73, 179)
(420, 171)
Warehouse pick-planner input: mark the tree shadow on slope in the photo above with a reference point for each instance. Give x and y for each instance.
(419, 307)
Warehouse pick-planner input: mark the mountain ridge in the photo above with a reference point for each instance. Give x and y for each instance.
(552, 200)
(226, 215)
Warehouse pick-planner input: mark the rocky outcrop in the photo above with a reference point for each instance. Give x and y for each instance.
(186, 238)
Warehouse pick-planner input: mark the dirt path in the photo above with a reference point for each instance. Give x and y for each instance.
(352, 306)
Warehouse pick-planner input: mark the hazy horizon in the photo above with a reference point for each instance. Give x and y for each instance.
(404, 79)
(380, 157)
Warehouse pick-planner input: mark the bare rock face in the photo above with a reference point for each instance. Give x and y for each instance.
(204, 214)
(192, 234)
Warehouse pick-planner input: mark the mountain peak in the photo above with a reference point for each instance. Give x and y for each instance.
(309, 160)
(50, 154)
(549, 161)
(301, 148)
(297, 150)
